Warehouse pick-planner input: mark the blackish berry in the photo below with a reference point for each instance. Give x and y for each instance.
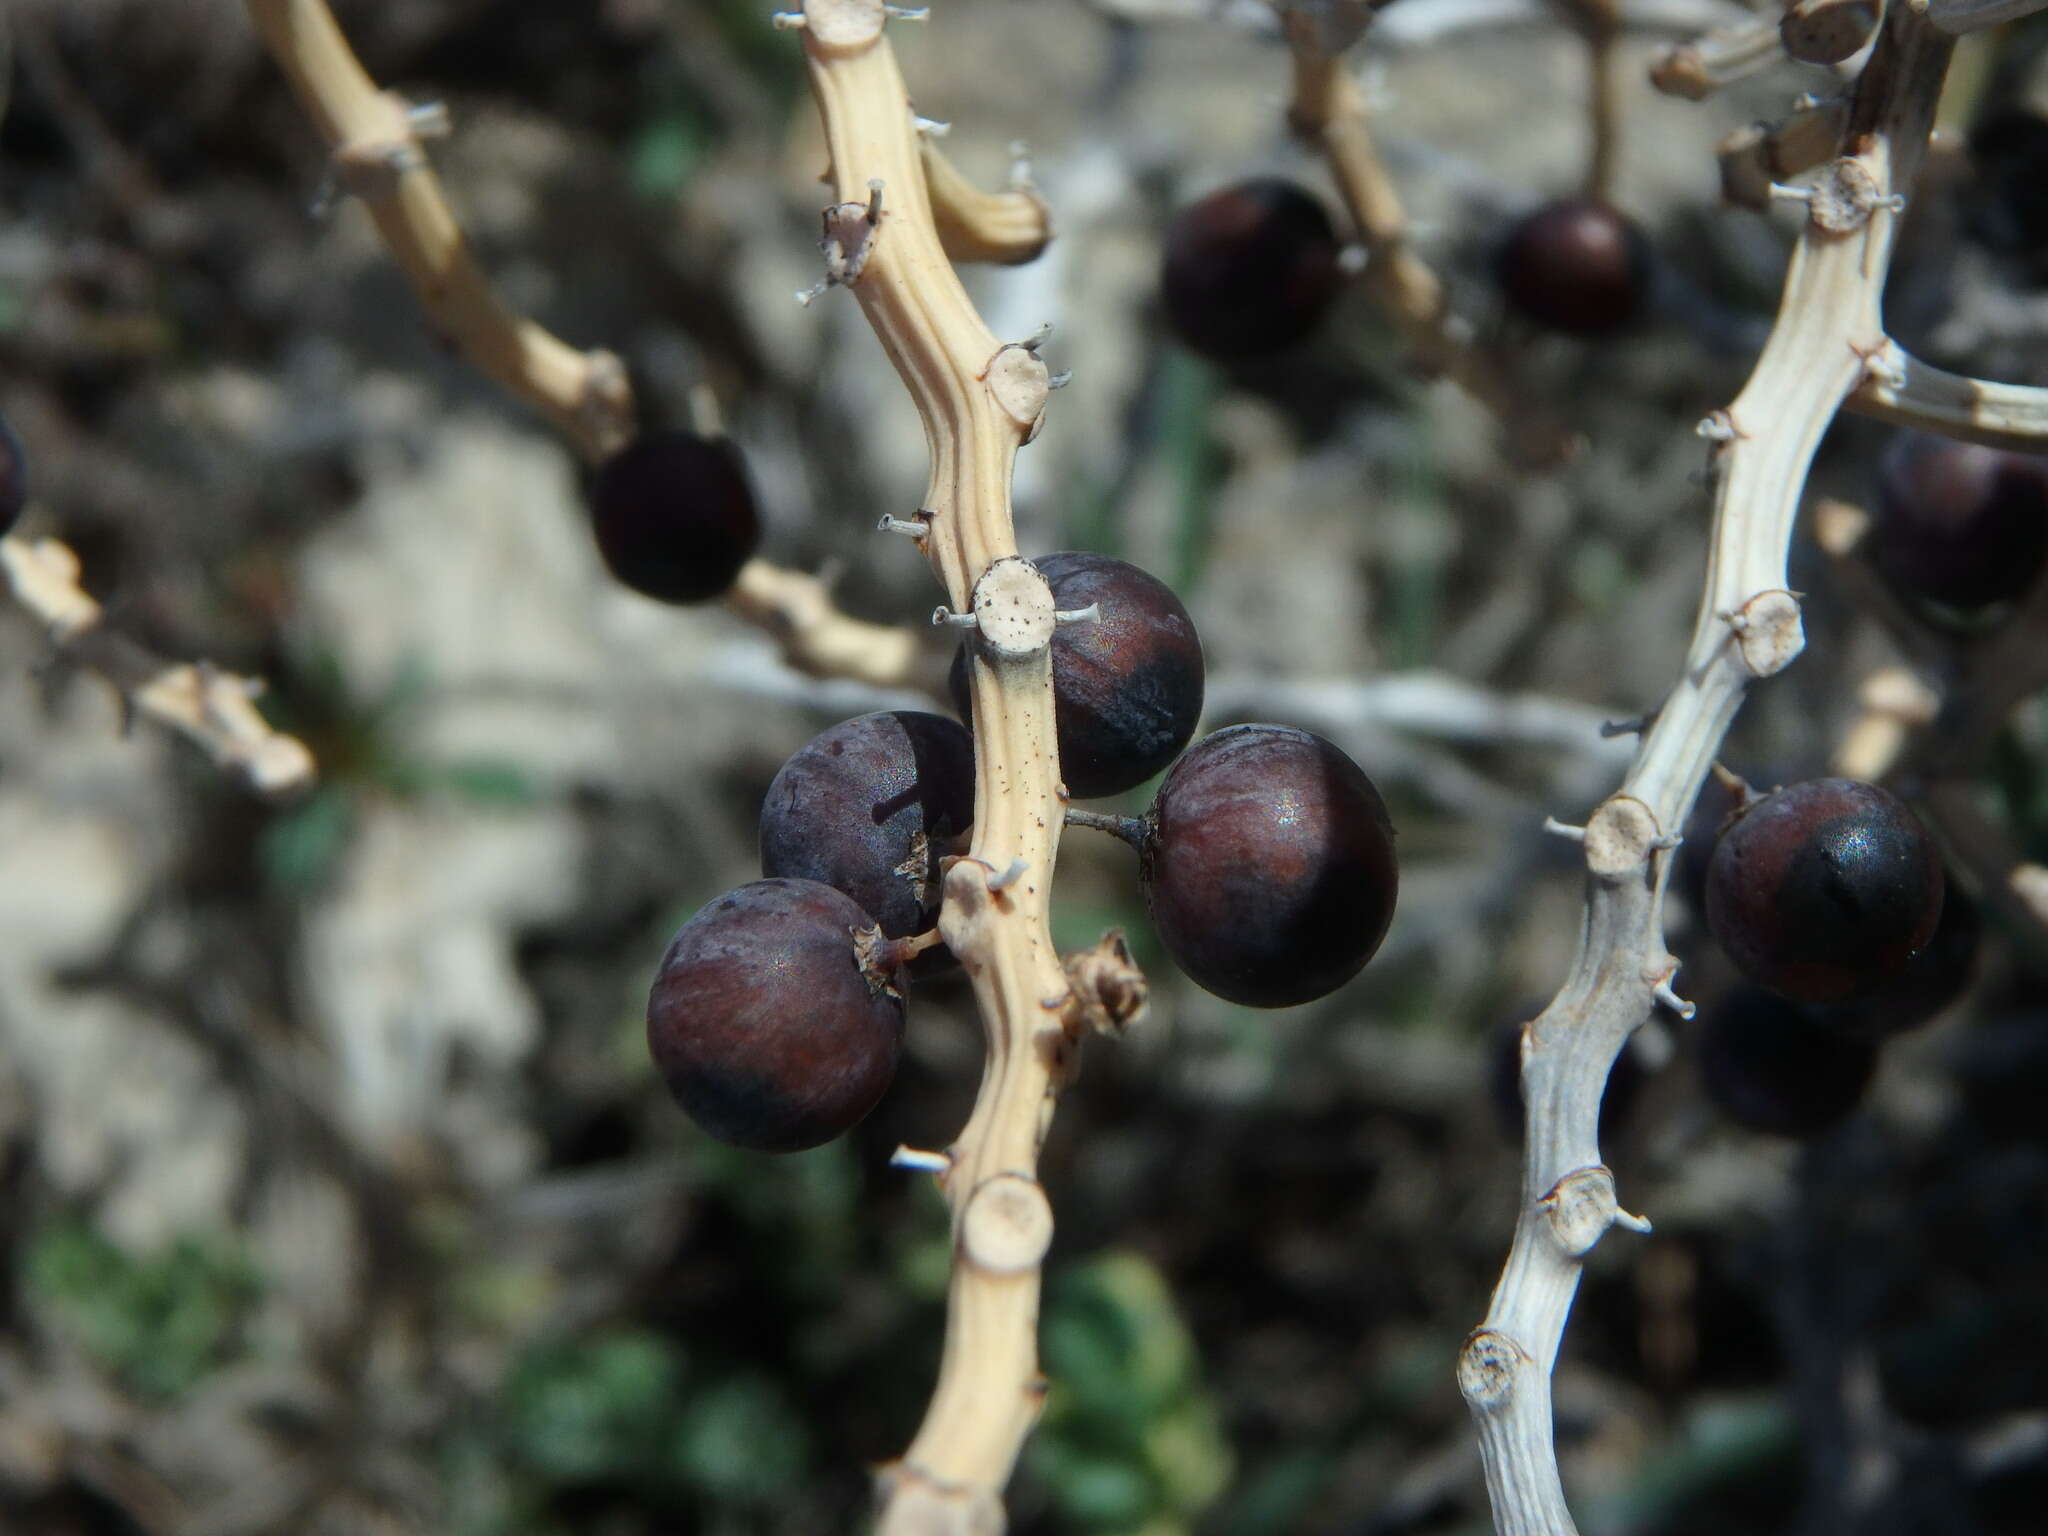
(1958, 523)
(2007, 209)
(1576, 266)
(13, 477)
(674, 515)
(869, 808)
(1822, 890)
(1249, 269)
(1127, 685)
(1268, 865)
(774, 1026)
(1938, 974)
(1772, 1066)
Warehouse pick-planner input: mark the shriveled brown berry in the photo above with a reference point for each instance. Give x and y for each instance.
(1127, 684)
(674, 515)
(1249, 269)
(774, 1023)
(1576, 265)
(1268, 865)
(1822, 890)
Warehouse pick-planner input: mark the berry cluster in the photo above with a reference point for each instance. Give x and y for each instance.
(1267, 862)
(1830, 898)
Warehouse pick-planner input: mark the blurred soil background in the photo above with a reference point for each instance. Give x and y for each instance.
(337, 1194)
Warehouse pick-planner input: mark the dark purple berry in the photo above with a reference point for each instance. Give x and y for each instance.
(1249, 269)
(1576, 266)
(1938, 974)
(1772, 1066)
(1823, 890)
(13, 477)
(1959, 523)
(1127, 686)
(774, 1025)
(869, 808)
(2007, 208)
(1268, 865)
(674, 515)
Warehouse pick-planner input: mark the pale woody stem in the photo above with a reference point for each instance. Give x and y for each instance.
(1828, 324)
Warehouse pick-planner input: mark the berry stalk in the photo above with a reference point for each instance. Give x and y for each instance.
(1828, 329)
(979, 401)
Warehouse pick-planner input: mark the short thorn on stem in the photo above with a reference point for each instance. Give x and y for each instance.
(917, 1161)
(944, 615)
(1010, 876)
(1130, 828)
(918, 527)
(1564, 829)
(789, 21)
(1635, 725)
(932, 127)
(1086, 615)
(907, 12)
(1663, 993)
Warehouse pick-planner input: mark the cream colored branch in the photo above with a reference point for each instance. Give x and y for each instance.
(1748, 626)
(1959, 16)
(210, 707)
(378, 157)
(1328, 111)
(586, 395)
(980, 400)
(797, 611)
(1697, 69)
(1008, 228)
(1911, 393)
(1758, 156)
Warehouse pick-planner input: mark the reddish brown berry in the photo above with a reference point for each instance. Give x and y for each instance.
(1959, 523)
(674, 515)
(1822, 890)
(774, 1025)
(1576, 266)
(1249, 269)
(1127, 685)
(1268, 865)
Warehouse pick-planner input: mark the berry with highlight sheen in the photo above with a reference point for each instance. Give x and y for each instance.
(674, 515)
(773, 1025)
(1959, 523)
(1576, 266)
(1127, 685)
(1268, 865)
(1772, 1066)
(869, 808)
(1249, 269)
(1822, 890)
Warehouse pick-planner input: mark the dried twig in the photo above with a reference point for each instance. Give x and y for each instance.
(199, 701)
(378, 158)
(980, 400)
(1697, 69)
(1329, 111)
(1828, 327)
